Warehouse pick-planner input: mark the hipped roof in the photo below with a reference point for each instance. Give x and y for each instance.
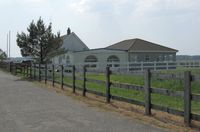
(139, 45)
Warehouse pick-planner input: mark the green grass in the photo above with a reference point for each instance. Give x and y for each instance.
(171, 84)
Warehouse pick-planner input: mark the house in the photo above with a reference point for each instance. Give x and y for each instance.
(139, 50)
(101, 57)
(121, 55)
(71, 43)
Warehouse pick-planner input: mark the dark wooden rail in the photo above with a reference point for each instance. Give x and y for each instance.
(51, 73)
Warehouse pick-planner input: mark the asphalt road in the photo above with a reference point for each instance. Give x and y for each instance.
(24, 107)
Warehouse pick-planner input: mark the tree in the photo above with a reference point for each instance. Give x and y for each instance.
(3, 55)
(40, 43)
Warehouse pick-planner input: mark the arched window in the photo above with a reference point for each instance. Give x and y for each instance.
(113, 61)
(91, 58)
(91, 61)
(113, 58)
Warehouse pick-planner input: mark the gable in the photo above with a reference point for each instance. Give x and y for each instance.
(73, 43)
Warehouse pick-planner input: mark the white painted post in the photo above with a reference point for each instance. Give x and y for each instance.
(167, 63)
(127, 66)
(142, 66)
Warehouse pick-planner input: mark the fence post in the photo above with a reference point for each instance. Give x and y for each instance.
(45, 73)
(187, 98)
(53, 75)
(27, 70)
(34, 71)
(84, 80)
(62, 75)
(20, 67)
(73, 79)
(108, 84)
(10, 66)
(31, 71)
(23, 70)
(147, 91)
(15, 73)
(39, 72)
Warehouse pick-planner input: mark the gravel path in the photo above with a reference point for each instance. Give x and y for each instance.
(24, 107)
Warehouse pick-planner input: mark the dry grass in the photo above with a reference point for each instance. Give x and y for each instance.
(157, 119)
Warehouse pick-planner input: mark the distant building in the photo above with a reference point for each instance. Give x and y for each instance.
(71, 43)
(116, 55)
(19, 59)
(139, 50)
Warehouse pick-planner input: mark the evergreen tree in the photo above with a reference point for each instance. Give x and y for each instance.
(3, 55)
(40, 43)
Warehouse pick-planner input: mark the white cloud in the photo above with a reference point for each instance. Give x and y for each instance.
(22, 1)
(31, 1)
(150, 6)
(83, 6)
(139, 7)
(80, 6)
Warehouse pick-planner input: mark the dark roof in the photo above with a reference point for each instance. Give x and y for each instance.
(70, 45)
(139, 45)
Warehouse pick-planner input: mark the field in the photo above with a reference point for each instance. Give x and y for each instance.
(162, 100)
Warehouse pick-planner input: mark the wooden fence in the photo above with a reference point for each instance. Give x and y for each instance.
(48, 72)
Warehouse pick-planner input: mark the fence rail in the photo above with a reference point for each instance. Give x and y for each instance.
(140, 66)
(51, 73)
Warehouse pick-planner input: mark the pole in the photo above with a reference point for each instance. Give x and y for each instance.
(84, 80)
(187, 98)
(34, 72)
(108, 84)
(147, 91)
(62, 75)
(53, 75)
(46, 73)
(73, 79)
(7, 45)
(9, 41)
(39, 72)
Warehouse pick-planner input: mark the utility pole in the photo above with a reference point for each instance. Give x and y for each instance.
(7, 45)
(9, 41)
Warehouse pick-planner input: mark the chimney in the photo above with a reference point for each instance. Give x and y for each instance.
(68, 31)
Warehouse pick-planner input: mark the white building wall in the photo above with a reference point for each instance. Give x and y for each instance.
(78, 58)
(62, 59)
(102, 56)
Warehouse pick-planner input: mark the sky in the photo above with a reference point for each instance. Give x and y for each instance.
(99, 23)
